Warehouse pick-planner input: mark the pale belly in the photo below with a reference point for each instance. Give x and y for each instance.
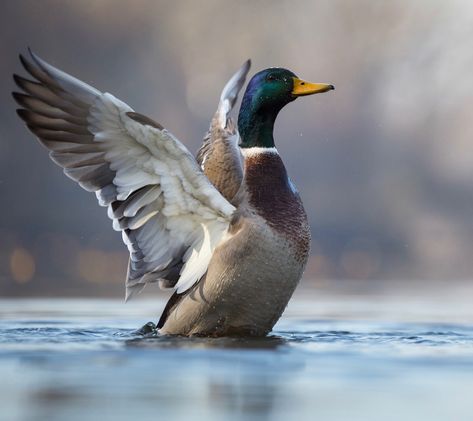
(246, 288)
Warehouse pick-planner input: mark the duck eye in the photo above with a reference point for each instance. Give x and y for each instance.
(270, 77)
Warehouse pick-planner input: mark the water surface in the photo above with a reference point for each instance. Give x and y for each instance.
(327, 359)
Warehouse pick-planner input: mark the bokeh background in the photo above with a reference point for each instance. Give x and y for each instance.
(384, 163)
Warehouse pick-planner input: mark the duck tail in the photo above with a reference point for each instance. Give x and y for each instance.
(230, 93)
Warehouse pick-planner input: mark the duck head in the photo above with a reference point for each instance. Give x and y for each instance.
(266, 94)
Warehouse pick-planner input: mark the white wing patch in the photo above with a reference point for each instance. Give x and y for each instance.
(198, 257)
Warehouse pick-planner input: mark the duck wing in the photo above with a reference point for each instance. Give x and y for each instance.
(170, 215)
(220, 156)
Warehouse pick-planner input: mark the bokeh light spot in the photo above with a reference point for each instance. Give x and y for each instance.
(22, 265)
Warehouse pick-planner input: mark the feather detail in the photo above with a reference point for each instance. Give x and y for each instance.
(219, 155)
(230, 93)
(170, 215)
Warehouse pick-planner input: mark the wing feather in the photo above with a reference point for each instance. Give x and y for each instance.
(220, 156)
(170, 215)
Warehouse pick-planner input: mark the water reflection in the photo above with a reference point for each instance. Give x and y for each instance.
(168, 341)
(240, 379)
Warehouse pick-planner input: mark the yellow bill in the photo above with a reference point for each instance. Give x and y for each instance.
(301, 87)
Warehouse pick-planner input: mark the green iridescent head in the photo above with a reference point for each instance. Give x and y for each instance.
(266, 94)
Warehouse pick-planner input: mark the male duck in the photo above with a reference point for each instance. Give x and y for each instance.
(231, 236)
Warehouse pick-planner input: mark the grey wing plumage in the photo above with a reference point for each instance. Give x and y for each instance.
(219, 155)
(170, 215)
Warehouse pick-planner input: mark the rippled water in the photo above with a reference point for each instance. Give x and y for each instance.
(326, 360)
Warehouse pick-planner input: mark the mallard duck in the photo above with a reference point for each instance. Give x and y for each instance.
(226, 230)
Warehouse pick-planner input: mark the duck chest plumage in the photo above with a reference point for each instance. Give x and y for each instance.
(274, 198)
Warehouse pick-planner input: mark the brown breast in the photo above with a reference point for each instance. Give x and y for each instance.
(272, 196)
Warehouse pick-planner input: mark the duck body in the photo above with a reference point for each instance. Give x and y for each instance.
(234, 298)
(226, 230)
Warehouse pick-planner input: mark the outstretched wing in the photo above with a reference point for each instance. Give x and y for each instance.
(170, 215)
(219, 155)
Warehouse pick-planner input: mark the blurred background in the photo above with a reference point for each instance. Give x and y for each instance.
(384, 163)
